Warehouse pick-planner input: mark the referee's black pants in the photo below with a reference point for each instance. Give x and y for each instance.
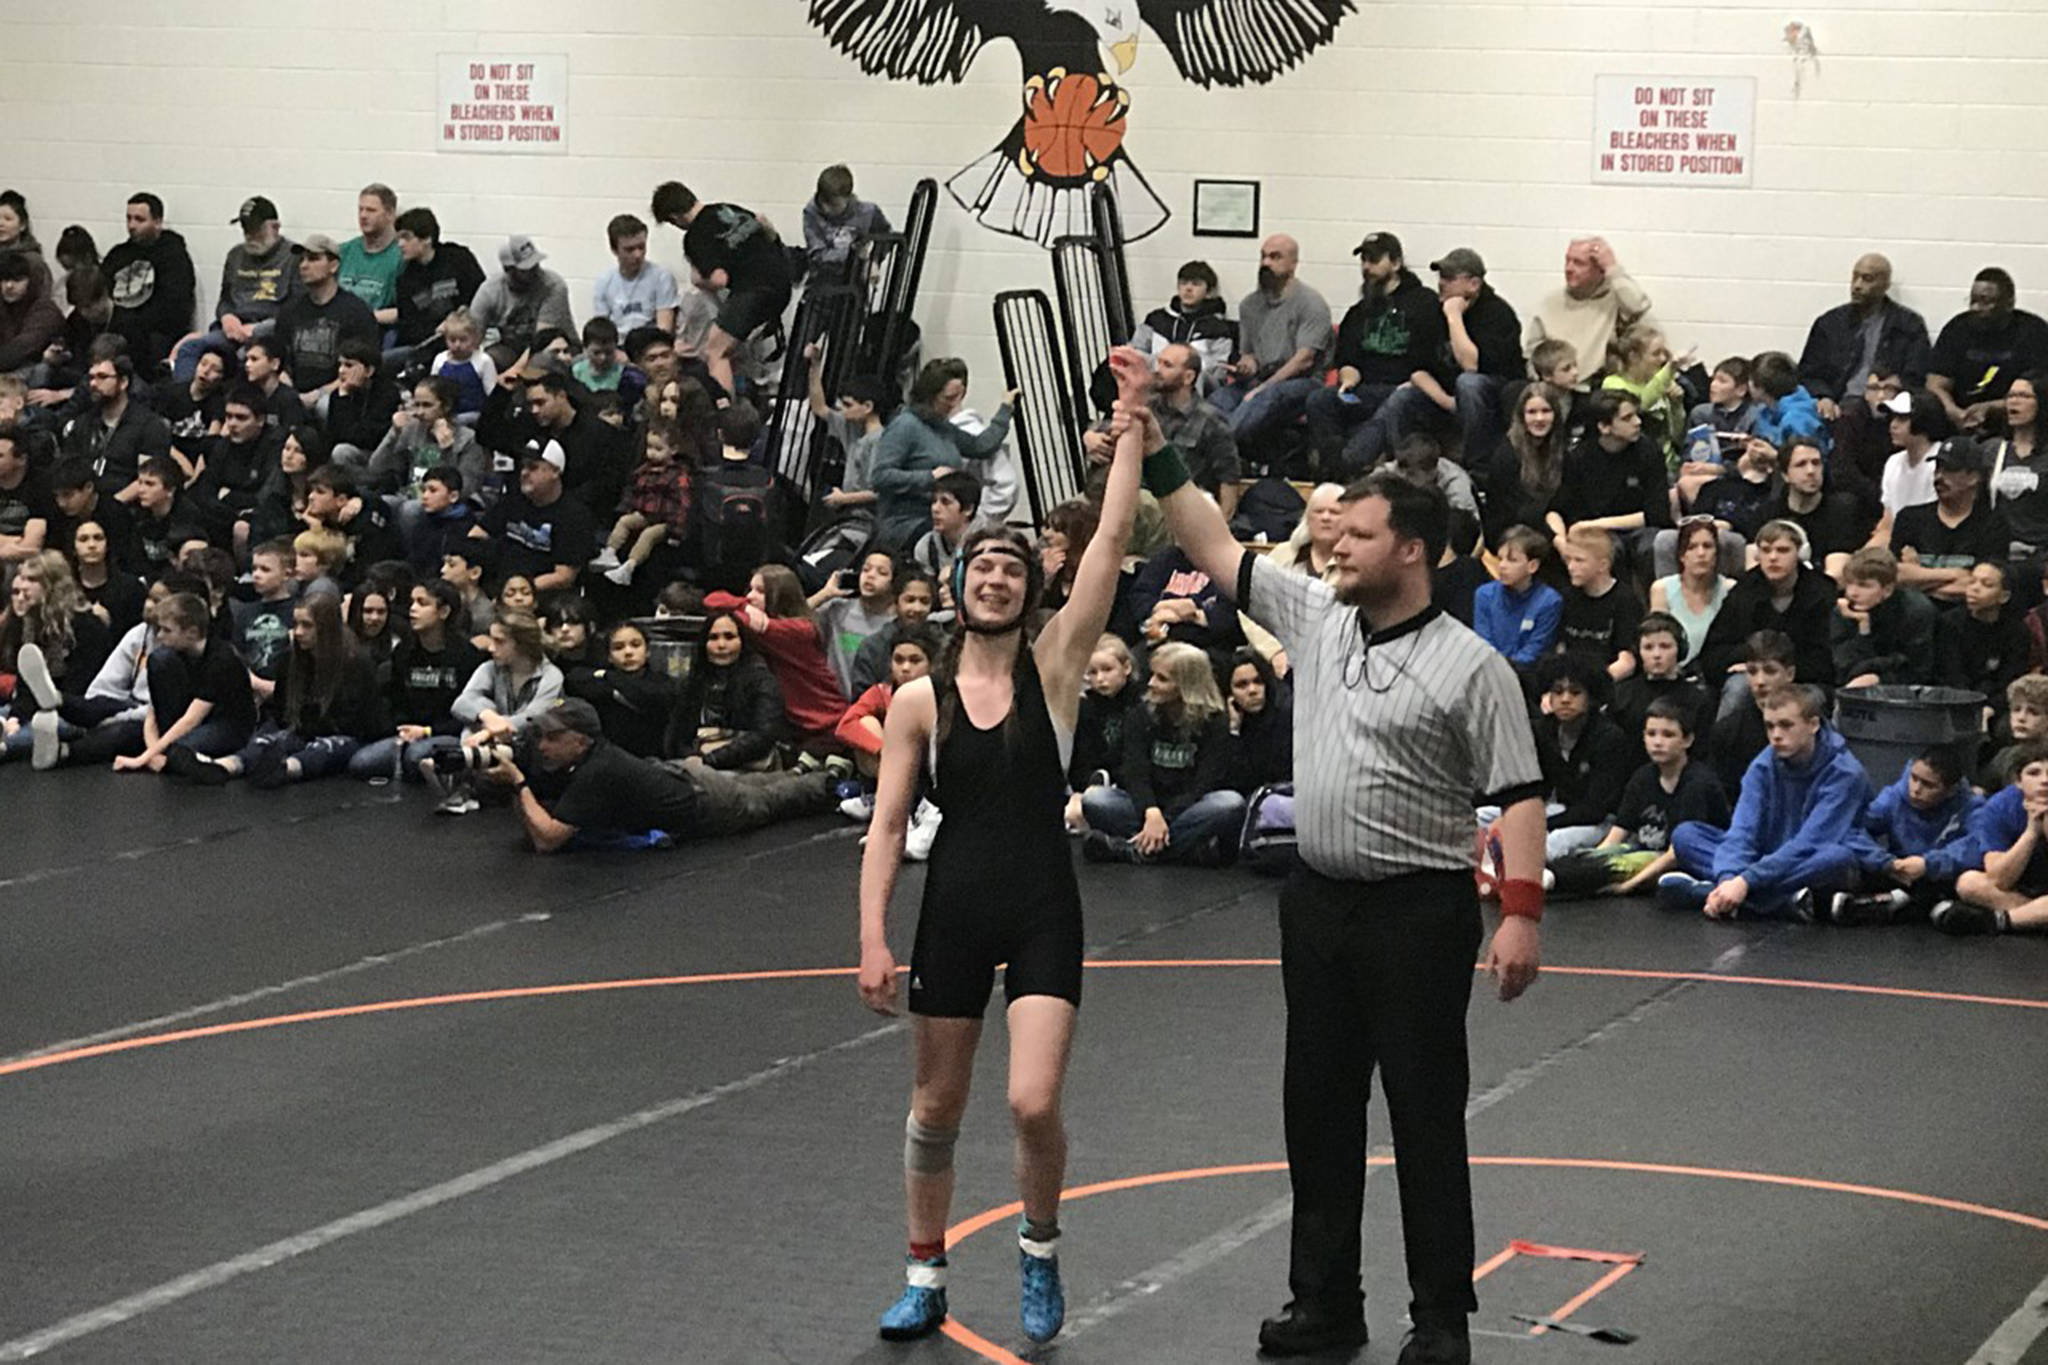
(1379, 974)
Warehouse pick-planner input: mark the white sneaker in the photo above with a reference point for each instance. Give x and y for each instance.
(924, 827)
(858, 808)
(43, 724)
(621, 574)
(35, 671)
(607, 558)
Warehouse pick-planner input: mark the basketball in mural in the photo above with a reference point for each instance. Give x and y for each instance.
(1070, 132)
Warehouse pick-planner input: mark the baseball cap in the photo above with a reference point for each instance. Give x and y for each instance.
(1377, 246)
(1960, 452)
(319, 244)
(1460, 260)
(1900, 404)
(255, 210)
(572, 715)
(519, 253)
(551, 453)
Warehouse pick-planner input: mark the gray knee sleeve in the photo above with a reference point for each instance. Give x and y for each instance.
(928, 1151)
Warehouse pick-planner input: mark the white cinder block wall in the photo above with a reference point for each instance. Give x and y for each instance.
(1924, 131)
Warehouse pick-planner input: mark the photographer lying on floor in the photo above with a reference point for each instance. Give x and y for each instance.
(595, 795)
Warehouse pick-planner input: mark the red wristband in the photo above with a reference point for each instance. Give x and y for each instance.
(1523, 898)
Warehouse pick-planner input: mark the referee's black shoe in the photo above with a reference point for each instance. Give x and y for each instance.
(1301, 1331)
(1437, 1346)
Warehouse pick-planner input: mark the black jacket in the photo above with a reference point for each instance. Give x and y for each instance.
(1602, 483)
(356, 709)
(1262, 751)
(1833, 350)
(634, 707)
(1171, 770)
(155, 292)
(1588, 784)
(117, 453)
(1386, 339)
(362, 419)
(1747, 609)
(423, 686)
(743, 699)
(427, 293)
(1899, 647)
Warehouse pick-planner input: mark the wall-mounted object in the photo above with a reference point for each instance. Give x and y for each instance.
(1226, 208)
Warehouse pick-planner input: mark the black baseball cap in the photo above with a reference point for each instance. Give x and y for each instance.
(1377, 246)
(255, 211)
(570, 714)
(1960, 453)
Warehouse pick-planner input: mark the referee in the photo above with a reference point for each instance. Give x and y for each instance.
(1404, 721)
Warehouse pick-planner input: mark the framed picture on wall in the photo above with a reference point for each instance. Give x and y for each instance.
(1226, 208)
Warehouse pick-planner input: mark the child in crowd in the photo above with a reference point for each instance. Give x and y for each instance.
(1643, 368)
(2011, 890)
(851, 607)
(1261, 724)
(1665, 792)
(737, 506)
(1660, 644)
(1460, 572)
(317, 556)
(1586, 758)
(464, 564)
(917, 593)
(565, 622)
(656, 507)
(2026, 720)
(424, 435)
(1729, 412)
(496, 707)
(632, 700)
(1787, 847)
(324, 707)
(1112, 690)
(516, 593)
(731, 714)
(1555, 362)
(335, 499)
(956, 498)
(429, 669)
(263, 626)
(466, 365)
(599, 368)
(108, 719)
(1600, 614)
(444, 519)
(1984, 646)
(861, 727)
(198, 690)
(1914, 842)
(1516, 614)
(1780, 594)
(1174, 804)
(1770, 664)
(837, 226)
(110, 592)
(281, 502)
(1784, 409)
(855, 426)
(369, 621)
(1881, 633)
(780, 623)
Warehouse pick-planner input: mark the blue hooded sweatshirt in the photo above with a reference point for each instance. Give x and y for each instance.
(1790, 815)
(1796, 414)
(1899, 831)
(1996, 825)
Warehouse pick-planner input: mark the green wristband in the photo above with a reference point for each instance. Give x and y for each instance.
(1164, 472)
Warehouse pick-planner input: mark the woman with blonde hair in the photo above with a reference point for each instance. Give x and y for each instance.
(54, 644)
(1310, 550)
(1175, 803)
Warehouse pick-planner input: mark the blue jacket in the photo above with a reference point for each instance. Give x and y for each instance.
(1523, 626)
(1996, 825)
(1789, 815)
(1796, 414)
(1900, 831)
(909, 449)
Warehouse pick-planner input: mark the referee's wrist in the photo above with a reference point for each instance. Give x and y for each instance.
(1521, 898)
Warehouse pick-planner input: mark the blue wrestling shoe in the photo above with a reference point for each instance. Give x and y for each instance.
(1041, 1301)
(922, 1306)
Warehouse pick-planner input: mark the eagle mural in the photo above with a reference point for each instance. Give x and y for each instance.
(1070, 135)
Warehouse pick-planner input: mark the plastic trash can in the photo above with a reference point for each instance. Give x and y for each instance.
(1887, 727)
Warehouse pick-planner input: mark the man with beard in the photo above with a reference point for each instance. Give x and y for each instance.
(314, 323)
(116, 433)
(1401, 716)
(1284, 335)
(1983, 349)
(520, 301)
(150, 277)
(1870, 334)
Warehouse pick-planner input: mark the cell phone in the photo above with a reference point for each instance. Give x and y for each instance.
(847, 579)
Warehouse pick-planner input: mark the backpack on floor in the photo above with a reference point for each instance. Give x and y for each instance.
(1267, 844)
(736, 518)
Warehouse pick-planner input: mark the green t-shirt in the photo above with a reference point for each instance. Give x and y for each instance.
(597, 381)
(371, 276)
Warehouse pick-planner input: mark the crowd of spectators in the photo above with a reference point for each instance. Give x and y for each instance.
(376, 513)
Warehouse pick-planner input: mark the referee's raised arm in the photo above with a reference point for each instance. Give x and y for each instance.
(1192, 518)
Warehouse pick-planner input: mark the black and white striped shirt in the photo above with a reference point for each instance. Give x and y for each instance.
(1397, 735)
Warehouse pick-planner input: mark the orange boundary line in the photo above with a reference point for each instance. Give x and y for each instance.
(987, 1350)
(1584, 1296)
(1550, 1253)
(80, 1054)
